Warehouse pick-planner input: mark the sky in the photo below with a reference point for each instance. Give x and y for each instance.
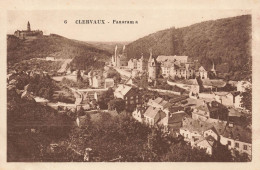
(149, 21)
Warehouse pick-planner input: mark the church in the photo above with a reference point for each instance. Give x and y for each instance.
(119, 60)
(25, 34)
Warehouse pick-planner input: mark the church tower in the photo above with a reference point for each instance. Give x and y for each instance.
(213, 69)
(152, 68)
(28, 26)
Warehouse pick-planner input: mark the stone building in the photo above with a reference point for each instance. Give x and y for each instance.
(26, 34)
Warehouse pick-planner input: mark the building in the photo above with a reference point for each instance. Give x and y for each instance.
(210, 110)
(137, 64)
(234, 136)
(119, 60)
(152, 68)
(153, 115)
(140, 64)
(237, 138)
(132, 63)
(202, 142)
(25, 34)
(243, 85)
(109, 82)
(202, 73)
(50, 58)
(180, 59)
(138, 114)
(96, 81)
(130, 95)
(185, 71)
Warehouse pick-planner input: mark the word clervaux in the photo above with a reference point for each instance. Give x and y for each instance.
(90, 21)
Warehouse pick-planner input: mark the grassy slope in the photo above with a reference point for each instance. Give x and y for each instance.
(53, 46)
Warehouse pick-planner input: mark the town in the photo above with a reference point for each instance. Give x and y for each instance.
(170, 94)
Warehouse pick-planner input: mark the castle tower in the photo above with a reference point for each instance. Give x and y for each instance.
(152, 71)
(28, 26)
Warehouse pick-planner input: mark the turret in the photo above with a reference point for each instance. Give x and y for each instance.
(28, 26)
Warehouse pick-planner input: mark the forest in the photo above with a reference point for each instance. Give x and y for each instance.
(226, 42)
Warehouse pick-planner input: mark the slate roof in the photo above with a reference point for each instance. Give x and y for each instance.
(213, 83)
(123, 89)
(176, 117)
(151, 112)
(163, 58)
(238, 133)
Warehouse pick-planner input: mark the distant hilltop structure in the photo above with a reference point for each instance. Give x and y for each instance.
(25, 34)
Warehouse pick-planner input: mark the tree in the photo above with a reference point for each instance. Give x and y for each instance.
(247, 99)
(116, 104)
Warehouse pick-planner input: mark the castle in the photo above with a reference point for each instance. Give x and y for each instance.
(119, 60)
(24, 34)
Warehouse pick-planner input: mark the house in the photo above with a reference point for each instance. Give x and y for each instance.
(181, 70)
(173, 121)
(132, 63)
(50, 59)
(96, 81)
(210, 110)
(243, 85)
(138, 114)
(237, 138)
(109, 82)
(166, 67)
(130, 95)
(225, 98)
(202, 142)
(153, 115)
(159, 103)
(129, 81)
(238, 102)
(202, 73)
(140, 64)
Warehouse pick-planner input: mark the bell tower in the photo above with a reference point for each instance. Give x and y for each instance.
(28, 26)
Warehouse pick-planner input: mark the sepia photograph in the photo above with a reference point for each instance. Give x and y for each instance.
(129, 85)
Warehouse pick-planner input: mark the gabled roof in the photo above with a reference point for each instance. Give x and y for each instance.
(176, 117)
(214, 83)
(159, 101)
(238, 133)
(151, 112)
(195, 125)
(202, 68)
(123, 89)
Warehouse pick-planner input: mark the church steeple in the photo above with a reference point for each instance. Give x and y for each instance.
(28, 26)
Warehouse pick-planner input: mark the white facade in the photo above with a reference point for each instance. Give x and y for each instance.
(96, 82)
(242, 147)
(137, 115)
(243, 85)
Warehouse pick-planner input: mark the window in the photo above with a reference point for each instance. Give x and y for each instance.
(229, 142)
(237, 145)
(245, 147)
